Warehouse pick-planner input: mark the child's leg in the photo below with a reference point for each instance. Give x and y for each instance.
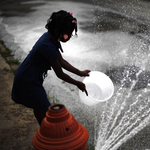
(39, 115)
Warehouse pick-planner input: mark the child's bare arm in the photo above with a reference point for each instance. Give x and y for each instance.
(71, 68)
(60, 74)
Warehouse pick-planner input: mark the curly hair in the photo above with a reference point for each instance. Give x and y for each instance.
(62, 21)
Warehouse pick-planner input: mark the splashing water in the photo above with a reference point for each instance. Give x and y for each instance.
(122, 121)
(128, 112)
(135, 119)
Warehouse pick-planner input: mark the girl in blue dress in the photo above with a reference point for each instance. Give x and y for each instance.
(45, 54)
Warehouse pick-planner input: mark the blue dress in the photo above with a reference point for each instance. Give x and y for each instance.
(28, 81)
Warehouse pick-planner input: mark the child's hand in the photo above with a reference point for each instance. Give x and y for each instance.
(84, 73)
(82, 87)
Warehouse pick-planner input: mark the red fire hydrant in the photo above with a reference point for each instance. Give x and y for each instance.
(60, 131)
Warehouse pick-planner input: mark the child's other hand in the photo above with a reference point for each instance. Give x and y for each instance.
(84, 73)
(82, 87)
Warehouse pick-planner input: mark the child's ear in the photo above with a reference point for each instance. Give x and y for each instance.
(65, 36)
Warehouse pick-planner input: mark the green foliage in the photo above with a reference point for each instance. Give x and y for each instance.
(13, 70)
(13, 61)
(2, 42)
(91, 148)
(72, 90)
(53, 99)
(8, 56)
(6, 53)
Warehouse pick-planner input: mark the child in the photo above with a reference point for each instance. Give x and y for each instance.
(27, 87)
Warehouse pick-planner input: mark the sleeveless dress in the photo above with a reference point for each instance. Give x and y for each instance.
(28, 81)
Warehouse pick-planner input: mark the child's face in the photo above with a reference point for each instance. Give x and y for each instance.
(66, 35)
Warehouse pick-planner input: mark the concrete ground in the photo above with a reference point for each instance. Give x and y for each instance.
(17, 123)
